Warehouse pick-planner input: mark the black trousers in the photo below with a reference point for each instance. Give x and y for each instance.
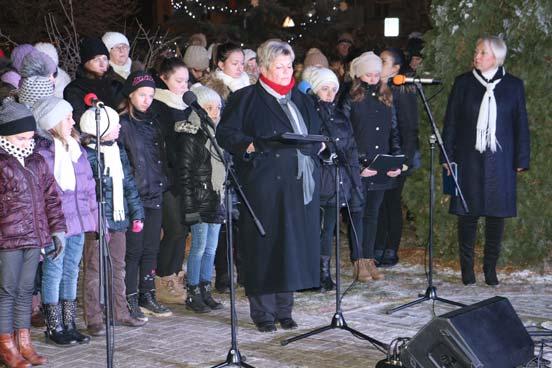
(141, 253)
(365, 225)
(390, 220)
(17, 278)
(270, 307)
(172, 249)
(221, 256)
(328, 218)
(467, 235)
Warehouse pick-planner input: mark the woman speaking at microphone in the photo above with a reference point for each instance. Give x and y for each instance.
(281, 183)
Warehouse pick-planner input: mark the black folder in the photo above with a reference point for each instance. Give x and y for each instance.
(386, 163)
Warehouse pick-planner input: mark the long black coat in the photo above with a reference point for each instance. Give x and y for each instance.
(488, 180)
(287, 258)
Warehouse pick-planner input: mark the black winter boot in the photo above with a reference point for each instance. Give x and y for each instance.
(69, 308)
(55, 333)
(194, 300)
(205, 289)
(134, 307)
(326, 282)
(390, 258)
(150, 306)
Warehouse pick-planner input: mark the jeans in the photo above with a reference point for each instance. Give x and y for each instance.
(17, 278)
(202, 253)
(59, 277)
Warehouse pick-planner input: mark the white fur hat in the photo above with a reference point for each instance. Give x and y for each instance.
(365, 63)
(249, 54)
(205, 94)
(320, 76)
(109, 119)
(111, 39)
(49, 50)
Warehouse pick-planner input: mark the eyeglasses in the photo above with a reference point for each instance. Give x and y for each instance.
(121, 48)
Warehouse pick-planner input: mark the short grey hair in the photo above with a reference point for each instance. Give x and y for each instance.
(271, 49)
(497, 46)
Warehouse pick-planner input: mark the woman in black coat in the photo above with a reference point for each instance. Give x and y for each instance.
(369, 105)
(335, 124)
(281, 182)
(487, 135)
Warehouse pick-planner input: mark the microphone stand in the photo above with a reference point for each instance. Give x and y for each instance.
(105, 270)
(431, 291)
(234, 357)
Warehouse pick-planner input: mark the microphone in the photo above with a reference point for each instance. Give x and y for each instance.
(92, 100)
(305, 87)
(403, 79)
(190, 99)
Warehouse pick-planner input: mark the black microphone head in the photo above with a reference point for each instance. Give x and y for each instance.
(189, 98)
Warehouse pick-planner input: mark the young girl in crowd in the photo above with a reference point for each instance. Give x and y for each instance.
(370, 108)
(169, 108)
(123, 210)
(201, 176)
(31, 218)
(58, 143)
(335, 124)
(142, 138)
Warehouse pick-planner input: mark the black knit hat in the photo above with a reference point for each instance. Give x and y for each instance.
(15, 118)
(89, 48)
(137, 79)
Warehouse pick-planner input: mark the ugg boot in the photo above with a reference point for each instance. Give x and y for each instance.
(361, 270)
(69, 308)
(22, 339)
(150, 306)
(326, 282)
(55, 333)
(9, 355)
(194, 300)
(169, 291)
(205, 289)
(371, 269)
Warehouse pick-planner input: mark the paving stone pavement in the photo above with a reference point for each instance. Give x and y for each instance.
(190, 340)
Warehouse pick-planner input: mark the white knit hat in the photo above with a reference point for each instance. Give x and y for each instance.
(109, 119)
(111, 39)
(366, 63)
(320, 76)
(196, 57)
(249, 54)
(49, 50)
(205, 94)
(49, 111)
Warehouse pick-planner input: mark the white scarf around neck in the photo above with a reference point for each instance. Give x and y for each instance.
(170, 99)
(63, 163)
(122, 70)
(233, 83)
(486, 121)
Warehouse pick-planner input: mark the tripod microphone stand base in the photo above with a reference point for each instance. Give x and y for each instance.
(430, 294)
(338, 321)
(234, 358)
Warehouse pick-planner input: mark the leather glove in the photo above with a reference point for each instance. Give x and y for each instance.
(58, 242)
(137, 226)
(192, 218)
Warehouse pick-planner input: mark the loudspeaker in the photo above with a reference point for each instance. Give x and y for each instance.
(487, 334)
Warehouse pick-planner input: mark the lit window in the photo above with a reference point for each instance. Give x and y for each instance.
(391, 27)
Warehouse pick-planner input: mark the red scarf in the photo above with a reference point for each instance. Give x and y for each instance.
(280, 89)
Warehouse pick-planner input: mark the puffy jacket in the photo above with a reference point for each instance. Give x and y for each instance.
(30, 206)
(79, 206)
(142, 138)
(194, 175)
(133, 205)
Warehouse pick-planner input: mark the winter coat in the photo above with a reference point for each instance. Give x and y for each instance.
(79, 206)
(132, 204)
(337, 126)
(106, 88)
(142, 138)
(194, 175)
(167, 117)
(487, 180)
(287, 258)
(405, 102)
(375, 131)
(30, 206)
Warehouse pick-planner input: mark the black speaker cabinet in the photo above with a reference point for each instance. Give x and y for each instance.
(488, 334)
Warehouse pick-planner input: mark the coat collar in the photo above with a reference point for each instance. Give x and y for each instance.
(274, 106)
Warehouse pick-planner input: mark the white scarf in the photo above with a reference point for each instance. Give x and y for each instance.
(19, 153)
(170, 99)
(114, 169)
(122, 70)
(233, 83)
(63, 163)
(486, 121)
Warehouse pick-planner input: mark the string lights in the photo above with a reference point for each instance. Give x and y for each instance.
(189, 6)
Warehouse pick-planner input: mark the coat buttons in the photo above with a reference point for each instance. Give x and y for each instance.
(377, 128)
(377, 147)
(278, 177)
(277, 155)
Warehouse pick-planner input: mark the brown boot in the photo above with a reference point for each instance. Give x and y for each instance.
(356, 265)
(9, 354)
(361, 270)
(370, 265)
(169, 291)
(23, 342)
